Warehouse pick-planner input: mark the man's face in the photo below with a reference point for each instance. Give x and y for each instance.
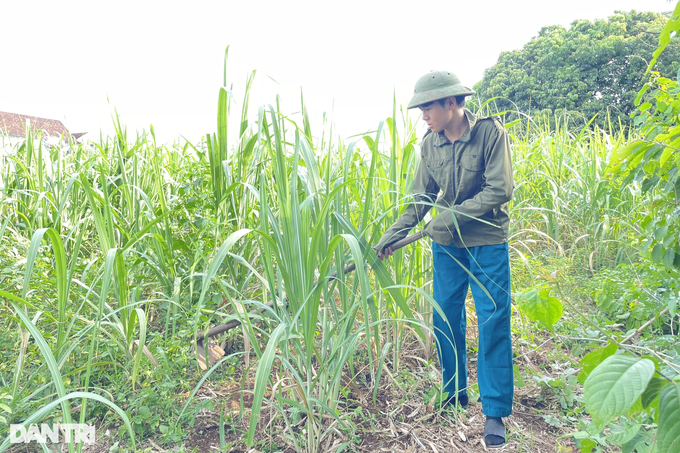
(437, 116)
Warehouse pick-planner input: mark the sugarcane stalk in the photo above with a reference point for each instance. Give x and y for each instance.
(200, 338)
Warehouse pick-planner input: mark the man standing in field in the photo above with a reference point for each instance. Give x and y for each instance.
(466, 172)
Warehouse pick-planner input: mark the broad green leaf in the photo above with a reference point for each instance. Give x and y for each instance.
(660, 232)
(593, 359)
(621, 435)
(586, 445)
(668, 436)
(639, 443)
(667, 153)
(657, 253)
(540, 306)
(668, 240)
(668, 258)
(652, 391)
(615, 385)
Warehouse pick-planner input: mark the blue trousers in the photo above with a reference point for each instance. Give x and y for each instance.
(490, 266)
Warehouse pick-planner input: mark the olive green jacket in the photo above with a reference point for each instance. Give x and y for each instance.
(470, 181)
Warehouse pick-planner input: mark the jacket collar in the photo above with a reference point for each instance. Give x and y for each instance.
(441, 140)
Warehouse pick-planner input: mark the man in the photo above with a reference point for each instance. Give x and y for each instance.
(468, 160)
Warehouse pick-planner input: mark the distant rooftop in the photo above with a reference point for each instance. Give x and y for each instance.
(14, 124)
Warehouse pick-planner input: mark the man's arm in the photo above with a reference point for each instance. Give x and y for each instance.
(497, 190)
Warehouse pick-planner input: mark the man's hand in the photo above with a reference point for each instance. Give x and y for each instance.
(387, 251)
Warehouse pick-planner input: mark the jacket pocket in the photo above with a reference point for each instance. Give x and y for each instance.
(440, 171)
(472, 161)
(434, 165)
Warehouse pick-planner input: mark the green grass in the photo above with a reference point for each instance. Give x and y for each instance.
(151, 244)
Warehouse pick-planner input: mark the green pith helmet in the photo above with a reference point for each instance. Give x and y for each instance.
(437, 85)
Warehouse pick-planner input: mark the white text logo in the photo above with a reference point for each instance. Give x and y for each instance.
(73, 432)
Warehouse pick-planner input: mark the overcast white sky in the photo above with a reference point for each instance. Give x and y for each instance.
(160, 62)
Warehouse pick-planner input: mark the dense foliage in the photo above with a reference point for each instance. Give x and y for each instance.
(625, 388)
(591, 68)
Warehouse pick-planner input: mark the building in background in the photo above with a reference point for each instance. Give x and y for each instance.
(13, 128)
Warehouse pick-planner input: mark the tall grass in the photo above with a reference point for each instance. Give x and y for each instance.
(563, 200)
(149, 240)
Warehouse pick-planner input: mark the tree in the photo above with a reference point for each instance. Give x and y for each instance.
(591, 68)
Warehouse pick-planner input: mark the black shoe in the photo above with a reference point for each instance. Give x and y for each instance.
(494, 432)
(452, 400)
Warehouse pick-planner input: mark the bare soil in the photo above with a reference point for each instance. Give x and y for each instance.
(401, 421)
